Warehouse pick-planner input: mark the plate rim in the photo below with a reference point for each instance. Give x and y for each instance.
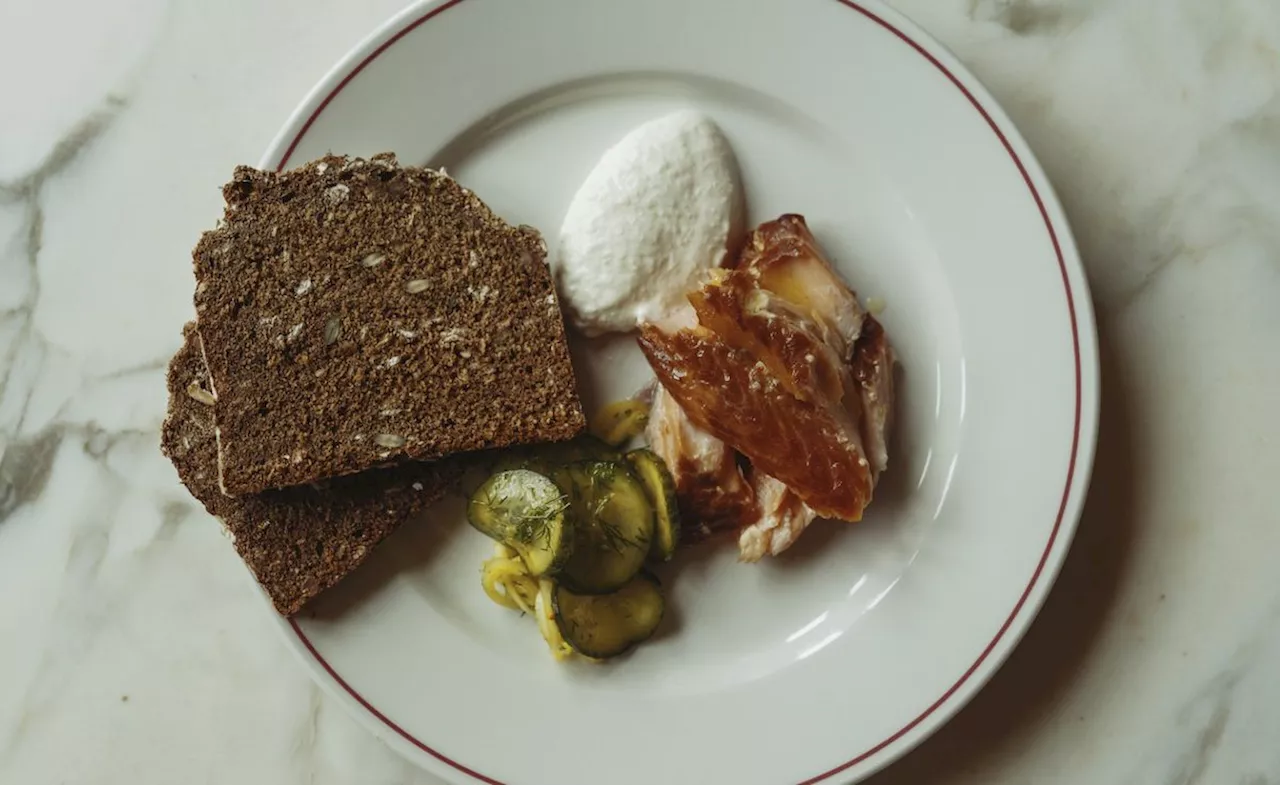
(1087, 391)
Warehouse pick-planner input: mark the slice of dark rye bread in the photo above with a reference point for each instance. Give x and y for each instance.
(354, 313)
(298, 541)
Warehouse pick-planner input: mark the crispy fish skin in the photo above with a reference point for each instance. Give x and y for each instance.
(785, 367)
(727, 393)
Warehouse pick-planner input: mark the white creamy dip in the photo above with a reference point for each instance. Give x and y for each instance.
(658, 209)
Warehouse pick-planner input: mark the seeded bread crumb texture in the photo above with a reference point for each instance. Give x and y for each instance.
(354, 313)
(298, 541)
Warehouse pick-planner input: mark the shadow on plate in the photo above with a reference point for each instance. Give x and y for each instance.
(1042, 668)
(421, 541)
(413, 546)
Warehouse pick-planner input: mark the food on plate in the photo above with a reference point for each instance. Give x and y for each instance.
(606, 625)
(527, 512)
(775, 387)
(778, 518)
(662, 205)
(299, 541)
(613, 527)
(355, 313)
(364, 329)
(777, 360)
(354, 316)
(785, 258)
(574, 521)
(506, 579)
(712, 494)
(620, 422)
(873, 361)
(661, 489)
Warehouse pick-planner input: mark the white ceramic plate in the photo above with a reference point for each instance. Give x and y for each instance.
(830, 662)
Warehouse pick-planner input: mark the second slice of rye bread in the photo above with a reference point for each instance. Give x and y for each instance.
(297, 541)
(355, 313)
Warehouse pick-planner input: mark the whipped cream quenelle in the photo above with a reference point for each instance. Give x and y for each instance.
(658, 209)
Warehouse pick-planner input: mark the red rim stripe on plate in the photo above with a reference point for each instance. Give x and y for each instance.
(1075, 437)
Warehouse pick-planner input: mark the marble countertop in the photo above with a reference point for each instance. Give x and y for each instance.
(134, 651)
